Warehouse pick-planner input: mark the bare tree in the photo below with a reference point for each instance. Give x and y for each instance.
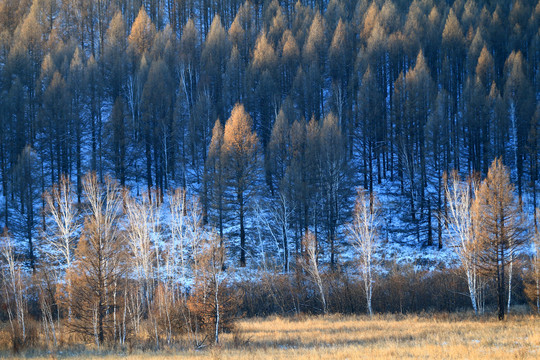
(178, 227)
(14, 290)
(61, 208)
(311, 266)
(142, 230)
(211, 258)
(536, 266)
(364, 236)
(275, 223)
(172, 291)
(461, 226)
(195, 235)
(47, 303)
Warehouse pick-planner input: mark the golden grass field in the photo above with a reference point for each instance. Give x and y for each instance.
(384, 337)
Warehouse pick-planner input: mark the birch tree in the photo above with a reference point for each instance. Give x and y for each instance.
(179, 222)
(462, 235)
(533, 290)
(364, 237)
(211, 261)
(14, 290)
(62, 210)
(311, 266)
(142, 232)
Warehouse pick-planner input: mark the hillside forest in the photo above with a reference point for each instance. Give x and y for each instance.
(155, 154)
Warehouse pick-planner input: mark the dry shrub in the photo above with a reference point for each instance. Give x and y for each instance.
(346, 295)
(274, 293)
(406, 290)
(202, 306)
(402, 289)
(531, 292)
(16, 341)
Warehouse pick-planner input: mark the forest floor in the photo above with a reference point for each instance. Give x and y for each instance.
(358, 337)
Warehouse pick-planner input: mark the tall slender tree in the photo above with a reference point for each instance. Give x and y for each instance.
(500, 227)
(240, 145)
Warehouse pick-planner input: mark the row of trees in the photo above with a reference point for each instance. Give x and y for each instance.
(339, 93)
(114, 270)
(119, 268)
(488, 230)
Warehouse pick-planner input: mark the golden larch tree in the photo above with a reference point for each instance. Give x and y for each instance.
(499, 227)
(100, 265)
(240, 145)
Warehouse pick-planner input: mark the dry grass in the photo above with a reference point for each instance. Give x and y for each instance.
(385, 337)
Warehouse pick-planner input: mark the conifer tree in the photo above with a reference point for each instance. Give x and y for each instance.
(215, 177)
(214, 60)
(240, 145)
(142, 33)
(499, 230)
(97, 274)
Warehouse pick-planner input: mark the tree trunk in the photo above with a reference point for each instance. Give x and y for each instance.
(500, 284)
(242, 231)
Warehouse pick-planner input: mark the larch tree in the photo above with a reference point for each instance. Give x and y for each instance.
(98, 272)
(369, 114)
(521, 106)
(476, 115)
(142, 33)
(75, 83)
(215, 178)
(263, 73)
(499, 121)
(240, 146)
(453, 49)
(189, 71)
(54, 125)
(314, 58)
(485, 69)
(114, 56)
(340, 55)
(214, 60)
(279, 154)
(116, 132)
(499, 227)
(157, 125)
(27, 191)
(453, 57)
(297, 176)
(290, 55)
(333, 179)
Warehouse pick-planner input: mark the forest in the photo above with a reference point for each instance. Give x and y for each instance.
(155, 153)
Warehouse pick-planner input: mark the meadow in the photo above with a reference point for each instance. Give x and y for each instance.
(356, 337)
